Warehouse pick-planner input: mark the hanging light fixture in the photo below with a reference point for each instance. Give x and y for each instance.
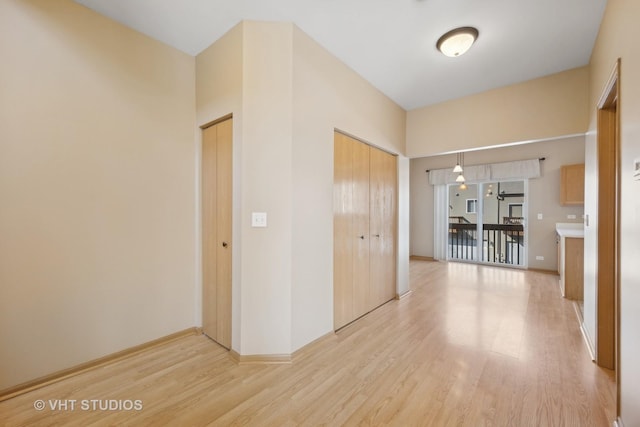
(457, 41)
(458, 168)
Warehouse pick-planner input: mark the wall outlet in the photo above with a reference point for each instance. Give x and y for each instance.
(571, 217)
(539, 258)
(539, 216)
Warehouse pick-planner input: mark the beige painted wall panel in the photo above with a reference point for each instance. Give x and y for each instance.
(266, 182)
(618, 37)
(544, 194)
(543, 108)
(96, 182)
(328, 95)
(219, 77)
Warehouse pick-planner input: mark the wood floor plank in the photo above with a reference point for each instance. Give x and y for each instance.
(471, 346)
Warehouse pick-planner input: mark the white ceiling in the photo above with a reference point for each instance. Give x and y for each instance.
(391, 43)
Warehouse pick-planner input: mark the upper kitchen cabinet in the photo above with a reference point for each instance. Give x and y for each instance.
(572, 185)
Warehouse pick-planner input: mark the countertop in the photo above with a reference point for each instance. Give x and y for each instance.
(570, 229)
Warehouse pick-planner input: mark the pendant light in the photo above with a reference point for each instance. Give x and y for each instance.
(457, 168)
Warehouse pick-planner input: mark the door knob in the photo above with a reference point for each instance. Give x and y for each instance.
(376, 235)
(224, 244)
(362, 237)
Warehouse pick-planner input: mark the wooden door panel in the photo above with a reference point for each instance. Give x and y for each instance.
(382, 224)
(364, 228)
(342, 232)
(209, 232)
(361, 297)
(224, 191)
(216, 229)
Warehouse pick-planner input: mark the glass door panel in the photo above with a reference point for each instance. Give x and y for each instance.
(503, 222)
(463, 222)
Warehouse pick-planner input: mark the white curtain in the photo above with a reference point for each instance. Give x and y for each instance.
(471, 173)
(522, 169)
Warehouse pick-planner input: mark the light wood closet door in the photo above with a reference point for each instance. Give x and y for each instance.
(216, 231)
(361, 238)
(343, 231)
(382, 250)
(364, 228)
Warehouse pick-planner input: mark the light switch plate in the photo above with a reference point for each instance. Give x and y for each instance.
(258, 219)
(539, 216)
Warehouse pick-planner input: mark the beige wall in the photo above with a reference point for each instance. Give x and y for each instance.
(97, 188)
(618, 37)
(544, 194)
(266, 174)
(327, 95)
(538, 109)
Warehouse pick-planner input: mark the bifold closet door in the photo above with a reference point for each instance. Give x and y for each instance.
(364, 224)
(216, 231)
(360, 237)
(343, 231)
(382, 252)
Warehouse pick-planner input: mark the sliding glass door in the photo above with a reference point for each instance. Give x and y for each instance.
(487, 223)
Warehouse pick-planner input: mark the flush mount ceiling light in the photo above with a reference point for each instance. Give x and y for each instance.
(457, 41)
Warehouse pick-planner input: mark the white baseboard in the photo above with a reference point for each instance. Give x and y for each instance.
(587, 341)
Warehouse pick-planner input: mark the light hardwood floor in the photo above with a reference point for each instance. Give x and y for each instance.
(471, 346)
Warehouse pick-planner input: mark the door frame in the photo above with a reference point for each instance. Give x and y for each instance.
(608, 246)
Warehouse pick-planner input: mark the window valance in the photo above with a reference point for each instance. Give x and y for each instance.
(521, 169)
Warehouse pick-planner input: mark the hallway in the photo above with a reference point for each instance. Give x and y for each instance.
(470, 346)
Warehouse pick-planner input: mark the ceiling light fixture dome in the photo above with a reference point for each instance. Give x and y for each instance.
(457, 41)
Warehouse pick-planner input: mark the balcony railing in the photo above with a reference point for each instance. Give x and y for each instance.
(501, 243)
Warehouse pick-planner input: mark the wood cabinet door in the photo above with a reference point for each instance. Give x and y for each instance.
(572, 185)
